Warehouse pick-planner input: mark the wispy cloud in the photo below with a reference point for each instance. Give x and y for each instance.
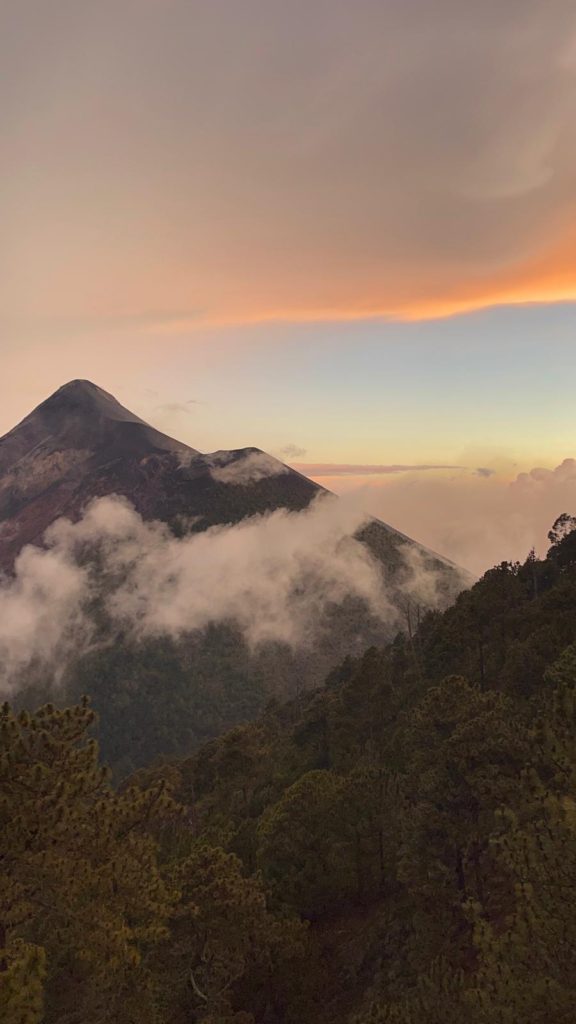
(248, 468)
(292, 451)
(315, 469)
(476, 520)
(168, 408)
(274, 576)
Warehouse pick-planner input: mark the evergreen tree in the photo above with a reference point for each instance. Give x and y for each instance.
(81, 897)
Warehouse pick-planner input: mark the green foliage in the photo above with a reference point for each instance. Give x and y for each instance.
(562, 527)
(22, 975)
(163, 699)
(79, 885)
(109, 908)
(222, 935)
(398, 847)
(419, 812)
(302, 844)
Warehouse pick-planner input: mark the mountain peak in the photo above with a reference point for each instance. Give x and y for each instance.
(84, 397)
(78, 385)
(81, 443)
(82, 418)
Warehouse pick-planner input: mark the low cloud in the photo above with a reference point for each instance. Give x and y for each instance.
(274, 576)
(476, 520)
(422, 586)
(42, 615)
(484, 472)
(540, 480)
(247, 469)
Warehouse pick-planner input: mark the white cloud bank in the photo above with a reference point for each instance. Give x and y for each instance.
(480, 519)
(42, 613)
(274, 576)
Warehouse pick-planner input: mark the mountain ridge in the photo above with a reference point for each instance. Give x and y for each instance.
(80, 443)
(79, 415)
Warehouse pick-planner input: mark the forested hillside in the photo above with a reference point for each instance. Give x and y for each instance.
(398, 847)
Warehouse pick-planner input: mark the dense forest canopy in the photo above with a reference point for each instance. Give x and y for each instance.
(397, 847)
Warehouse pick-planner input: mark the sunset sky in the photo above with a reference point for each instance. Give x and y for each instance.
(341, 230)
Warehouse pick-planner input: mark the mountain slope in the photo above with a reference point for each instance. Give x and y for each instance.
(398, 847)
(165, 692)
(414, 813)
(81, 443)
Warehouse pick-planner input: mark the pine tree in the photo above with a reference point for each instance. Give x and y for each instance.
(80, 889)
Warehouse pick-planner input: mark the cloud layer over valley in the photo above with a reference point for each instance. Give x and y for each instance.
(478, 519)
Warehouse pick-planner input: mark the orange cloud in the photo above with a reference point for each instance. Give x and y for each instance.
(549, 277)
(236, 163)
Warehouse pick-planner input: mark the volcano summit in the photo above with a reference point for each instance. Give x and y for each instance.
(182, 591)
(81, 444)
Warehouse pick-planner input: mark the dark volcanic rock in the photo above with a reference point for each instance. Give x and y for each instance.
(81, 443)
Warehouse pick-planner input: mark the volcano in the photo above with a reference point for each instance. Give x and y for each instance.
(81, 443)
(157, 696)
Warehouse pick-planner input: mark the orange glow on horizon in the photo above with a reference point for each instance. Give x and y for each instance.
(540, 289)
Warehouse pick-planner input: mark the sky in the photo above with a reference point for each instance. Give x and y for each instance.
(343, 232)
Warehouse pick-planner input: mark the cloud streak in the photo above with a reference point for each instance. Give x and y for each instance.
(328, 469)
